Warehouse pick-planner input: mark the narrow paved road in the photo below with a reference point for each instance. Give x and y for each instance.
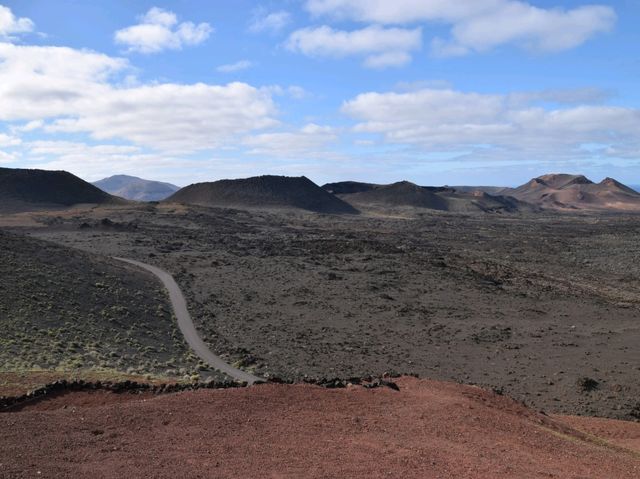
(188, 328)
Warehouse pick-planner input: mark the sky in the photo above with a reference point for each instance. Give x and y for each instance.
(475, 92)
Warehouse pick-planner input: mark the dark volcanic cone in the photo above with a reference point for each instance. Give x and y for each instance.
(402, 193)
(24, 190)
(263, 192)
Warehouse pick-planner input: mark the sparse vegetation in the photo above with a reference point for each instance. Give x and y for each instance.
(61, 309)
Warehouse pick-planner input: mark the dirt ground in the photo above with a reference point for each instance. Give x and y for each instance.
(426, 430)
(543, 307)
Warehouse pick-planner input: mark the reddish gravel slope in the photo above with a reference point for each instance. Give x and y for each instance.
(427, 430)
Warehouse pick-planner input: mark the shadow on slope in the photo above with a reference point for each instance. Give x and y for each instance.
(28, 190)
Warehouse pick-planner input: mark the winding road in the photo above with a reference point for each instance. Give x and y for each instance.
(185, 323)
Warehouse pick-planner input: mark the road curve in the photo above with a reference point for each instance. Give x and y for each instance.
(187, 327)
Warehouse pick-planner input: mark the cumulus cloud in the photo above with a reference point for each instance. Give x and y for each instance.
(77, 92)
(381, 47)
(490, 125)
(235, 67)
(310, 140)
(7, 140)
(40, 82)
(174, 117)
(29, 126)
(94, 162)
(269, 22)
(6, 157)
(562, 96)
(11, 25)
(297, 92)
(480, 25)
(159, 30)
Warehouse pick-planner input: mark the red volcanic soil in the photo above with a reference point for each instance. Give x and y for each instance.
(426, 430)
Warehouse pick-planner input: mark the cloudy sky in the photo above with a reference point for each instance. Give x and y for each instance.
(433, 91)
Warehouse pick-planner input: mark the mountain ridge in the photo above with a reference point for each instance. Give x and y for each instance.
(135, 188)
(266, 191)
(576, 192)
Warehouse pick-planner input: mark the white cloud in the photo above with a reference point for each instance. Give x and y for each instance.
(400, 11)
(11, 25)
(272, 22)
(94, 162)
(71, 89)
(30, 126)
(6, 157)
(235, 67)
(491, 126)
(387, 59)
(158, 16)
(40, 82)
(310, 140)
(159, 30)
(174, 117)
(573, 96)
(7, 140)
(534, 28)
(382, 47)
(297, 92)
(423, 85)
(480, 25)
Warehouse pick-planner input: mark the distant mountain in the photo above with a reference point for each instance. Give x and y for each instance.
(28, 190)
(263, 192)
(403, 193)
(492, 190)
(576, 192)
(134, 188)
(407, 194)
(478, 200)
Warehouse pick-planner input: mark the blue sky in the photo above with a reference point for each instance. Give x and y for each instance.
(436, 92)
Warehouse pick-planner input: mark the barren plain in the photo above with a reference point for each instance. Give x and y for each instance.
(541, 307)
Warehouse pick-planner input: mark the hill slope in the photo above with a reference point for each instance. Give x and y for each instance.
(25, 190)
(427, 429)
(407, 194)
(348, 187)
(477, 200)
(134, 188)
(492, 190)
(576, 192)
(263, 192)
(402, 193)
(65, 309)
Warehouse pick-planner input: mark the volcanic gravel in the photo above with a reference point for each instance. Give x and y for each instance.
(536, 306)
(426, 430)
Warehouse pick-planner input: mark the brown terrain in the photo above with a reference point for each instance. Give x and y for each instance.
(551, 192)
(404, 194)
(541, 306)
(566, 192)
(536, 305)
(427, 429)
